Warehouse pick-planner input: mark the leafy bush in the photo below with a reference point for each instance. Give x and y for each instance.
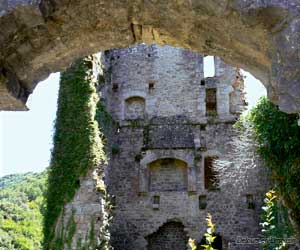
(278, 138)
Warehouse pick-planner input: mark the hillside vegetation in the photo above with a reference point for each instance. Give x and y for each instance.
(21, 209)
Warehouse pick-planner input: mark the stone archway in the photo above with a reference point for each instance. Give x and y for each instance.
(40, 37)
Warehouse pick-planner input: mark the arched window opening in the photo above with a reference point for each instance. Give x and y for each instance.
(209, 66)
(134, 108)
(168, 175)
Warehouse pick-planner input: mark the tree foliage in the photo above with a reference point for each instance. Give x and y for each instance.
(278, 138)
(21, 211)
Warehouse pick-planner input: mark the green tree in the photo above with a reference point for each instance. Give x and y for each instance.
(21, 208)
(278, 138)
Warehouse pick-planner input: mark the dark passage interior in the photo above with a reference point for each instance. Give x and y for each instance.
(170, 236)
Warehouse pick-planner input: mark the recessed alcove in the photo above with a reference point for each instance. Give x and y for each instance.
(168, 175)
(134, 108)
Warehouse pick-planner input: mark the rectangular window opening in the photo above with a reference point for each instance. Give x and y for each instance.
(211, 180)
(156, 202)
(115, 87)
(211, 101)
(250, 201)
(151, 87)
(202, 202)
(202, 127)
(209, 66)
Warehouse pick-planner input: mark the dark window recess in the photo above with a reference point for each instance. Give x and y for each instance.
(211, 180)
(202, 202)
(155, 202)
(250, 201)
(202, 82)
(156, 199)
(115, 87)
(202, 127)
(138, 158)
(113, 201)
(211, 101)
(151, 86)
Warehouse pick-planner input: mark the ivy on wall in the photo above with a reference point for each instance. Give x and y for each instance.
(278, 137)
(77, 144)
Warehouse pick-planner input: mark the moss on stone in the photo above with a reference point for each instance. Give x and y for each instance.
(77, 144)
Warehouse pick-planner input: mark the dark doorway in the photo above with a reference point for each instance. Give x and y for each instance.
(170, 236)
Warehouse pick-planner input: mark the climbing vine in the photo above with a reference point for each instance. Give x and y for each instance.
(278, 138)
(77, 144)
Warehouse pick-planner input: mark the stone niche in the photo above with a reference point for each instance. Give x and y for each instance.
(168, 175)
(134, 108)
(167, 171)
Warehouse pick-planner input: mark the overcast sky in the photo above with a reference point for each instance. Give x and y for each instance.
(26, 137)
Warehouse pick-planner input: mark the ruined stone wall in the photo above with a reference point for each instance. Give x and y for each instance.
(173, 134)
(83, 219)
(76, 211)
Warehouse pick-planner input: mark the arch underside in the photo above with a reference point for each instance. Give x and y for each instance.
(39, 38)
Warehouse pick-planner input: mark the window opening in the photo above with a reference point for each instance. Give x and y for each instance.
(202, 202)
(250, 201)
(156, 202)
(115, 87)
(211, 180)
(151, 87)
(209, 66)
(211, 101)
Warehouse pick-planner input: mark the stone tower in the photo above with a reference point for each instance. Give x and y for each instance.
(170, 123)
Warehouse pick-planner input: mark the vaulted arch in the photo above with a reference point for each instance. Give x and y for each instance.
(40, 37)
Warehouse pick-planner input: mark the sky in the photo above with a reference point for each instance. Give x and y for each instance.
(26, 137)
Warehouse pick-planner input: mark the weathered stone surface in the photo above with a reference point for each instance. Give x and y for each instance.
(259, 36)
(86, 211)
(158, 175)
